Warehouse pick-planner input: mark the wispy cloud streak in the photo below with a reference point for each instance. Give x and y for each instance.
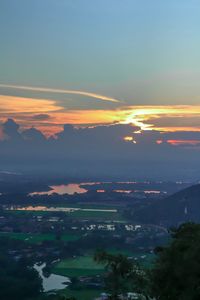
(60, 91)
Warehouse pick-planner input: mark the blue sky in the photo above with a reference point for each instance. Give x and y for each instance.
(143, 52)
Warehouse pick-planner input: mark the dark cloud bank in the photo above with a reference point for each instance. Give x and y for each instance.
(99, 152)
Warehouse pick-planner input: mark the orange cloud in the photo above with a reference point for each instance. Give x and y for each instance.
(24, 110)
(184, 142)
(146, 116)
(12, 105)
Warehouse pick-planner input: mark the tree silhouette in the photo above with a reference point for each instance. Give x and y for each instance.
(121, 273)
(176, 274)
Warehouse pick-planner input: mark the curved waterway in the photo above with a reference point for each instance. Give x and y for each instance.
(53, 282)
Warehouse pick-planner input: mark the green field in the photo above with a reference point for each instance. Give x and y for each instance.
(96, 215)
(28, 212)
(38, 238)
(125, 252)
(80, 214)
(146, 260)
(79, 266)
(83, 294)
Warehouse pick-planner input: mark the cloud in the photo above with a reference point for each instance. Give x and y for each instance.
(12, 105)
(184, 142)
(49, 116)
(186, 121)
(11, 130)
(60, 91)
(164, 118)
(41, 117)
(102, 150)
(33, 134)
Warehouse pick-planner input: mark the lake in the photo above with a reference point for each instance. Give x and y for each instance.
(80, 188)
(62, 189)
(53, 282)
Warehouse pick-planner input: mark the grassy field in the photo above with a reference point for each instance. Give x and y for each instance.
(80, 214)
(83, 294)
(79, 266)
(146, 260)
(38, 238)
(88, 205)
(96, 215)
(83, 266)
(125, 252)
(28, 212)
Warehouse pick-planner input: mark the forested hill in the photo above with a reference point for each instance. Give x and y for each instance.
(178, 208)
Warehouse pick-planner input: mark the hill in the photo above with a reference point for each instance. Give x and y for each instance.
(178, 208)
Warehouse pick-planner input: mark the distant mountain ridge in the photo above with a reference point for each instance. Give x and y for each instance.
(183, 206)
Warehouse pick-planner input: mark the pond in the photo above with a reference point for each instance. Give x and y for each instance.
(53, 282)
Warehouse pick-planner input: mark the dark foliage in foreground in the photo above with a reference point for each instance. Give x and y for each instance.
(176, 274)
(122, 274)
(17, 280)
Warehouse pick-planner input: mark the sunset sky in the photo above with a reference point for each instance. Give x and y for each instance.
(100, 62)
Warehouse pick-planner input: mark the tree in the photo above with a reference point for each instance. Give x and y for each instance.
(58, 297)
(176, 274)
(17, 280)
(121, 273)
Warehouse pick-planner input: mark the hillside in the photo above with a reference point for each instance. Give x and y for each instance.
(180, 207)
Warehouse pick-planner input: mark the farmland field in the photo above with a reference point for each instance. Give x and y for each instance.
(83, 294)
(38, 238)
(95, 214)
(79, 266)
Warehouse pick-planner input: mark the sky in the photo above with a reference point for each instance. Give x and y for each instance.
(94, 62)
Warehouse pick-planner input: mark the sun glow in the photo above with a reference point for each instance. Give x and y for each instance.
(145, 117)
(129, 139)
(49, 115)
